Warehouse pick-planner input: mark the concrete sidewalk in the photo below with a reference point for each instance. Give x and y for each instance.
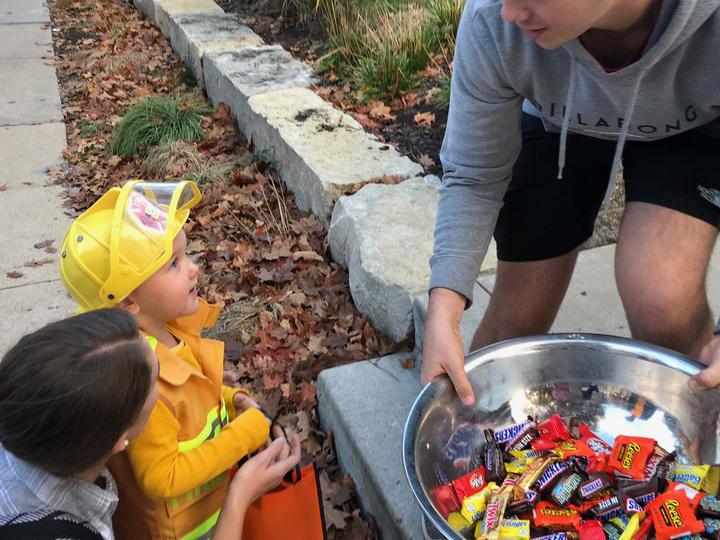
(32, 137)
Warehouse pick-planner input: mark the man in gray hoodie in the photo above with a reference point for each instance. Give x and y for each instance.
(547, 97)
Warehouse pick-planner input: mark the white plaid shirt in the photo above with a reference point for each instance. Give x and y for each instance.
(26, 488)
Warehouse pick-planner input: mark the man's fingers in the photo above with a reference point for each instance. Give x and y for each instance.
(706, 379)
(462, 385)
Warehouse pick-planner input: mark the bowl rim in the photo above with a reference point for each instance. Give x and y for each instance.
(659, 355)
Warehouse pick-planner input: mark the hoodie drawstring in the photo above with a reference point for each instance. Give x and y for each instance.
(566, 117)
(621, 141)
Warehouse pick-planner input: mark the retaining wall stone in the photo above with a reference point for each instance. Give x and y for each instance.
(164, 9)
(194, 35)
(323, 153)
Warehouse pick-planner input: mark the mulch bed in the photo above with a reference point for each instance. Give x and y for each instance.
(289, 313)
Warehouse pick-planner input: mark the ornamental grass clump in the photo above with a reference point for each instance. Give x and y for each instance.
(155, 121)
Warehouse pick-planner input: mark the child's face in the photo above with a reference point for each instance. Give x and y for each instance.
(171, 292)
(552, 23)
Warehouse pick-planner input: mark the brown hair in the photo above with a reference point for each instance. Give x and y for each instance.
(71, 389)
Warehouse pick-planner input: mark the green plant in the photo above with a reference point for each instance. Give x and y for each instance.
(157, 120)
(386, 74)
(89, 127)
(443, 97)
(187, 76)
(444, 20)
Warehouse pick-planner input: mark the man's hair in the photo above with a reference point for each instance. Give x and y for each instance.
(71, 389)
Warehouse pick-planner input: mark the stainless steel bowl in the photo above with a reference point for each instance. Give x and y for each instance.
(617, 386)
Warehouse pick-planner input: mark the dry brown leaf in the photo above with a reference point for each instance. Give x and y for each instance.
(408, 362)
(426, 161)
(380, 111)
(38, 262)
(14, 275)
(307, 256)
(424, 119)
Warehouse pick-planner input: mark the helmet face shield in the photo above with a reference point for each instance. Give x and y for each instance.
(123, 239)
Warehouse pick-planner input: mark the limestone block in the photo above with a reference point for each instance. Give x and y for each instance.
(193, 35)
(233, 77)
(364, 403)
(164, 9)
(323, 152)
(383, 235)
(146, 7)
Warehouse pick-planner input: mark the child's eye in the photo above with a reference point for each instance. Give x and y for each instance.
(174, 263)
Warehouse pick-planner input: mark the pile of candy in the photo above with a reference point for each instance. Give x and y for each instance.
(559, 481)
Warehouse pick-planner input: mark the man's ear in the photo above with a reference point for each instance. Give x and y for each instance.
(129, 305)
(121, 444)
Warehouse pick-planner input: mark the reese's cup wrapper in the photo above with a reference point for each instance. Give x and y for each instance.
(673, 516)
(556, 517)
(629, 456)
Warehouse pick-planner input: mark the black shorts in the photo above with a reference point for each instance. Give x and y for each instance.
(544, 217)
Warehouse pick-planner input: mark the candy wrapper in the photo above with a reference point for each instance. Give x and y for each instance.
(459, 524)
(555, 517)
(446, 500)
(494, 464)
(508, 433)
(473, 507)
(629, 456)
(673, 516)
(470, 484)
(691, 475)
(489, 528)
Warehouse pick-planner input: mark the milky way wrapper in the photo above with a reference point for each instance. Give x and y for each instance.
(494, 463)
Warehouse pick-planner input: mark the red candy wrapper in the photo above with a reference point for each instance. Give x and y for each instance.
(629, 456)
(673, 516)
(592, 530)
(470, 484)
(595, 443)
(446, 500)
(553, 429)
(645, 530)
(573, 447)
(693, 495)
(556, 517)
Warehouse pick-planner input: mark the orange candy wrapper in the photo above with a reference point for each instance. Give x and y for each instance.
(673, 516)
(629, 456)
(556, 517)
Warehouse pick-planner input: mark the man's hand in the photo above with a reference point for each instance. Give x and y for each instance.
(442, 346)
(709, 377)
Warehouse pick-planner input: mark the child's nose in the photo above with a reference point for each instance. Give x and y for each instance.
(194, 269)
(514, 11)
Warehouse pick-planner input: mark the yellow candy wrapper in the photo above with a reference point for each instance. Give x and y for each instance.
(711, 483)
(515, 529)
(691, 475)
(473, 507)
(632, 526)
(458, 523)
(523, 459)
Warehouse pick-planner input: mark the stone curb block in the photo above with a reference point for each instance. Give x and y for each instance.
(362, 404)
(381, 220)
(323, 152)
(233, 77)
(165, 9)
(194, 35)
(146, 7)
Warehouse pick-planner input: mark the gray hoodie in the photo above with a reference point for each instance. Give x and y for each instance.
(499, 72)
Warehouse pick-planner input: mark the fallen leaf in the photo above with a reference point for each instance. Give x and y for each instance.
(3, 187)
(114, 161)
(424, 119)
(407, 362)
(14, 275)
(43, 244)
(307, 256)
(426, 161)
(35, 262)
(380, 111)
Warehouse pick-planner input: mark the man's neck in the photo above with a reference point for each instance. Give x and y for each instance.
(621, 34)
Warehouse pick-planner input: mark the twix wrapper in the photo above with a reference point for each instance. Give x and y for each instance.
(531, 475)
(489, 528)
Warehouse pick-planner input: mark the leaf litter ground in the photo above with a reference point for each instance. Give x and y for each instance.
(288, 313)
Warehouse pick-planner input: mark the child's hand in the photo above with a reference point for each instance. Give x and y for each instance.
(230, 378)
(243, 402)
(265, 471)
